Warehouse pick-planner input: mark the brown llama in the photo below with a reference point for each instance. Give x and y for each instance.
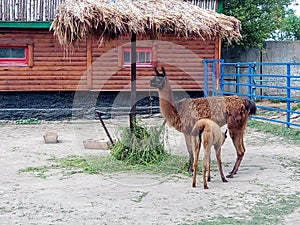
(184, 114)
(209, 134)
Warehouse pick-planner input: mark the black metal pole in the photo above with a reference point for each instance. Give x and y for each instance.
(105, 128)
(133, 81)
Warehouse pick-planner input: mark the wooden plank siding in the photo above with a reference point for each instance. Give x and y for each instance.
(90, 67)
(52, 68)
(182, 60)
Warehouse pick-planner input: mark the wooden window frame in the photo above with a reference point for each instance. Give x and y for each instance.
(26, 43)
(15, 61)
(138, 50)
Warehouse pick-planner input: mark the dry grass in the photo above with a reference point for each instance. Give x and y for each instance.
(75, 20)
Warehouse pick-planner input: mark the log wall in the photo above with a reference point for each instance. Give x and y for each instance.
(52, 68)
(182, 60)
(90, 67)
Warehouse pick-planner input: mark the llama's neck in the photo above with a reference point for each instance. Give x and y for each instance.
(167, 107)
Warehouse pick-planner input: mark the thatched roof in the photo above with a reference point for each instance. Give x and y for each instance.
(76, 19)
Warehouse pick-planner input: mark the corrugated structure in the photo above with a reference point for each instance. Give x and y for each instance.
(205, 4)
(28, 10)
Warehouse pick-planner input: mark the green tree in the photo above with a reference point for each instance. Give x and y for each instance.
(289, 28)
(259, 19)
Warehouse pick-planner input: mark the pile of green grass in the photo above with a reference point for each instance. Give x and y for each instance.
(171, 164)
(140, 145)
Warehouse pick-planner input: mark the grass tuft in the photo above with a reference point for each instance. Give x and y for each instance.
(28, 121)
(171, 164)
(289, 134)
(270, 210)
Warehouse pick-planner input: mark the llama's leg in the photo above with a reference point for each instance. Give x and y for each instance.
(189, 146)
(218, 156)
(208, 172)
(205, 165)
(237, 139)
(195, 163)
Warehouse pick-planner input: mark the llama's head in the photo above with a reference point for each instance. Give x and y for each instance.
(159, 80)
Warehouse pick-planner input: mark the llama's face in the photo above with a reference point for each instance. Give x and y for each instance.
(158, 81)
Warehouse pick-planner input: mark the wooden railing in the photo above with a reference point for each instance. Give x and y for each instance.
(28, 10)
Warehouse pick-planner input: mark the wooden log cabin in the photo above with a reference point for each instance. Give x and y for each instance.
(38, 74)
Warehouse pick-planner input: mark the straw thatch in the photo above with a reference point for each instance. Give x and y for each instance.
(76, 19)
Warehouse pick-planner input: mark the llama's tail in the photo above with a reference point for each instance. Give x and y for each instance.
(250, 106)
(200, 138)
(198, 128)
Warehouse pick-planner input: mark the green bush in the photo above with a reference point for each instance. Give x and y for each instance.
(295, 107)
(140, 146)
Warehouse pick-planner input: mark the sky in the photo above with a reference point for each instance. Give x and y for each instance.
(297, 7)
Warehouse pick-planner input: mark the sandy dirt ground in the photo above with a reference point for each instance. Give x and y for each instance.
(265, 190)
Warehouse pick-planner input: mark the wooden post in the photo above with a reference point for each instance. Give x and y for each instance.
(132, 114)
(217, 68)
(89, 63)
(30, 55)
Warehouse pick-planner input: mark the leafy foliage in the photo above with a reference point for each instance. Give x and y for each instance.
(259, 19)
(140, 146)
(289, 28)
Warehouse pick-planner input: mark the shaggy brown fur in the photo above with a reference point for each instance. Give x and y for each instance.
(184, 114)
(210, 134)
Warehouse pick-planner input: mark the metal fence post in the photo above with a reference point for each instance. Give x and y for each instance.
(213, 73)
(222, 70)
(288, 95)
(250, 66)
(238, 78)
(205, 77)
(253, 80)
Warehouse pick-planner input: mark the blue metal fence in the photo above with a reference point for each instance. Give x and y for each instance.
(277, 82)
(211, 77)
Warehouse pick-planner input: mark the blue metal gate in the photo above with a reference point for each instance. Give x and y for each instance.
(275, 82)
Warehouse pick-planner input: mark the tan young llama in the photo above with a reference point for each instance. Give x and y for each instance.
(183, 115)
(209, 134)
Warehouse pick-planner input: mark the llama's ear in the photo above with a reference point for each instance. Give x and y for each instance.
(163, 71)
